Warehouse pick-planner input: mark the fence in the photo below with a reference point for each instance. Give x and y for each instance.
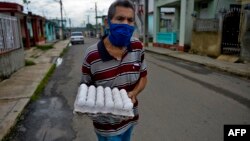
(206, 25)
(9, 34)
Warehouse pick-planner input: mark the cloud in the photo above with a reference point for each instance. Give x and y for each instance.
(76, 10)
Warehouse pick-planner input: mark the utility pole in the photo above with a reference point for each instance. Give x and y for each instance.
(70, 24)
(61, 29)
(27, 2)
(88, 19)
(95, 19)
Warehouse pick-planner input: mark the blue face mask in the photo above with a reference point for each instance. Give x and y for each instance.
(120, 34)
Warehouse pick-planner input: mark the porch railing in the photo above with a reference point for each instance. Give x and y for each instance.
(9, 33)
(206, 25)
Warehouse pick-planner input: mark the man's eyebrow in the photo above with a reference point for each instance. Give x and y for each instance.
(120, 16)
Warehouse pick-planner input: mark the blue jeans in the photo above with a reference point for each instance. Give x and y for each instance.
(122, 137)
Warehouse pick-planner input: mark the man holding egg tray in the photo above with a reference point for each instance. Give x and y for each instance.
(116, 61)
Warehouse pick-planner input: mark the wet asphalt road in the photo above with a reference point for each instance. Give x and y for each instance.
(182, 101)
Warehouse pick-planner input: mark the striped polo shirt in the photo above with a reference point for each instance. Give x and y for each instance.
(101, 69)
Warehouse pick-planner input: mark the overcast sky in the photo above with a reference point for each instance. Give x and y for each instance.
(77, 10)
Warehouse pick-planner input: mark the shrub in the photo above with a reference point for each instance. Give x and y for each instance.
(29, 63)
(44, 47)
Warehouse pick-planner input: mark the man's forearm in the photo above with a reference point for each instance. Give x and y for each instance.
(138, 88)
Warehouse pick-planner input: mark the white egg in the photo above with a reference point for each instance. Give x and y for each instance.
(90, 103)
(118, 105)
(107, 90)
(127, 101)
(82, 94)
(99, 104)
(91, 93)
(123, 91)
(109, 104)
(115, 90)
(108, 93)
(100, 89)
(128, 106)
(100, 100)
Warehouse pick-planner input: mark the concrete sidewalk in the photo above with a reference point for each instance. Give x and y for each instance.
(15, 92)
(240, 69)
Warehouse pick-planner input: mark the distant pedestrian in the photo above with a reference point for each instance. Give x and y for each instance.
(117, 61)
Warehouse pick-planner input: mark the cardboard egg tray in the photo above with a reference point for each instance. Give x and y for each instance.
(98, 101)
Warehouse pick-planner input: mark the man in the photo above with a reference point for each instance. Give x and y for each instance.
(117, 61)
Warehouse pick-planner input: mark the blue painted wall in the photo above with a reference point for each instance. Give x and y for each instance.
(50, 31)
(151, 24)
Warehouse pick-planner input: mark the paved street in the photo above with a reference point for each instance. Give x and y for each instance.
(182, 101)
(186, 101)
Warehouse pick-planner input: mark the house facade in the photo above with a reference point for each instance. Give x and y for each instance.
(32, 26)
(36, 28)
(17, 32)
(209, 27)
(11, 47)
(224, 31)
(216, 28)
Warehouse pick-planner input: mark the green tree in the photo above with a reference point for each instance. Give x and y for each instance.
(89, 26)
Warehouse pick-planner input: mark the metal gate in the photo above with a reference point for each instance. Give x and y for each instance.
(230, 43)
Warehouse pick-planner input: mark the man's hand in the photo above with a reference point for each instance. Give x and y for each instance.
(138, 88)
(132, 95)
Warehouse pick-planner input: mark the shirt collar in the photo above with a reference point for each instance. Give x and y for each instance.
(105, 56)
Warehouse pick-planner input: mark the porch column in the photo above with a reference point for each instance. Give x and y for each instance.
(182, 23)
(189, 22)
(245, 37)
(27, 34)
(35, 30)
(156, 22)
(176, 23)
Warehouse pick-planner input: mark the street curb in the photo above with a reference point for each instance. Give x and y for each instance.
(212, 66)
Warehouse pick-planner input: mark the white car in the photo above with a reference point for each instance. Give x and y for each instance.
(76, 37)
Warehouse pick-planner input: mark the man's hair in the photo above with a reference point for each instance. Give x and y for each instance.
(121, 3)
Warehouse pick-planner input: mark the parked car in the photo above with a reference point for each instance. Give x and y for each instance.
(76, 37)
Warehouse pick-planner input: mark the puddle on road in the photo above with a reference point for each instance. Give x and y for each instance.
(51, 107)
(59, 62)
(56, 60)
(42, 101)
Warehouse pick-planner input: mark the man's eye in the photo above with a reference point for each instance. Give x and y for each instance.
(131, 20)
(120, 19)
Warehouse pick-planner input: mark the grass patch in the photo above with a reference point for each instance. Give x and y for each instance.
(34, 56)
(43, 83)
(29, 63)
(63, 52)
(44, 47)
